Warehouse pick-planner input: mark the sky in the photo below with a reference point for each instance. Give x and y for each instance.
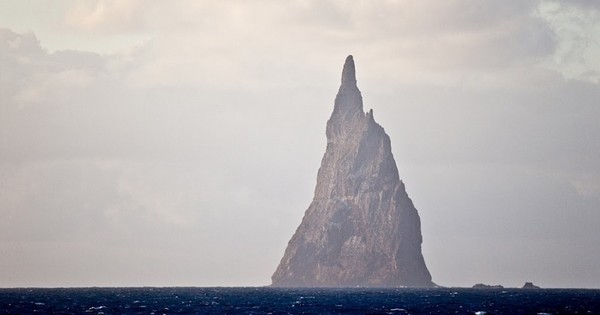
(176, 143)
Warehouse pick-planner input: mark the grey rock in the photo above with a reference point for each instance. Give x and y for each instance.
(530, 285)
(361, 228)
(487, 286)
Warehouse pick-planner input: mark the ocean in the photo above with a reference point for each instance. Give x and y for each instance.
(266, 300)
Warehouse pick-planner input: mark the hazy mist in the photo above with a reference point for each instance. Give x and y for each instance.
(177, 143)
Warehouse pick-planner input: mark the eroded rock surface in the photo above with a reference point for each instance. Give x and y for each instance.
(361, 229)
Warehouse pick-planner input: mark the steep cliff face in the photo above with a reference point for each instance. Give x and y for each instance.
(361, 228)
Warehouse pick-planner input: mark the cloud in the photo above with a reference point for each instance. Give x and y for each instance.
(577, 28)
(90, 160)
(457, 42)
(110, 16)
(61, 84)
(31, 75)
(403, 37)
(200, 144)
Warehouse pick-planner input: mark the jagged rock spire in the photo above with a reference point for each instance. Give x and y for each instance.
(361, 228)
(349, 73)
(348, 101)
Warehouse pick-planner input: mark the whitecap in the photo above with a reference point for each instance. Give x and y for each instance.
(95, 308)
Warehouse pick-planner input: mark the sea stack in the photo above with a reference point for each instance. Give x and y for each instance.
(361, 228)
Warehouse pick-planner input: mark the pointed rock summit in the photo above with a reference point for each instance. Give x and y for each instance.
(361, 228)
(349, 73)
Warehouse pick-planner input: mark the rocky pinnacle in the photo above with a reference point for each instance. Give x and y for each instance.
(349, 73)
(361, 228)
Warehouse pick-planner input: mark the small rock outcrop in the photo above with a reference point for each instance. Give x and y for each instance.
(361, 228)
(530, 285)
(487, 286)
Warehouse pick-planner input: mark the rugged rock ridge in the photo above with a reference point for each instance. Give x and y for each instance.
(361, 228)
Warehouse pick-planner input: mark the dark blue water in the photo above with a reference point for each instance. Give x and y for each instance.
(297, 301)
